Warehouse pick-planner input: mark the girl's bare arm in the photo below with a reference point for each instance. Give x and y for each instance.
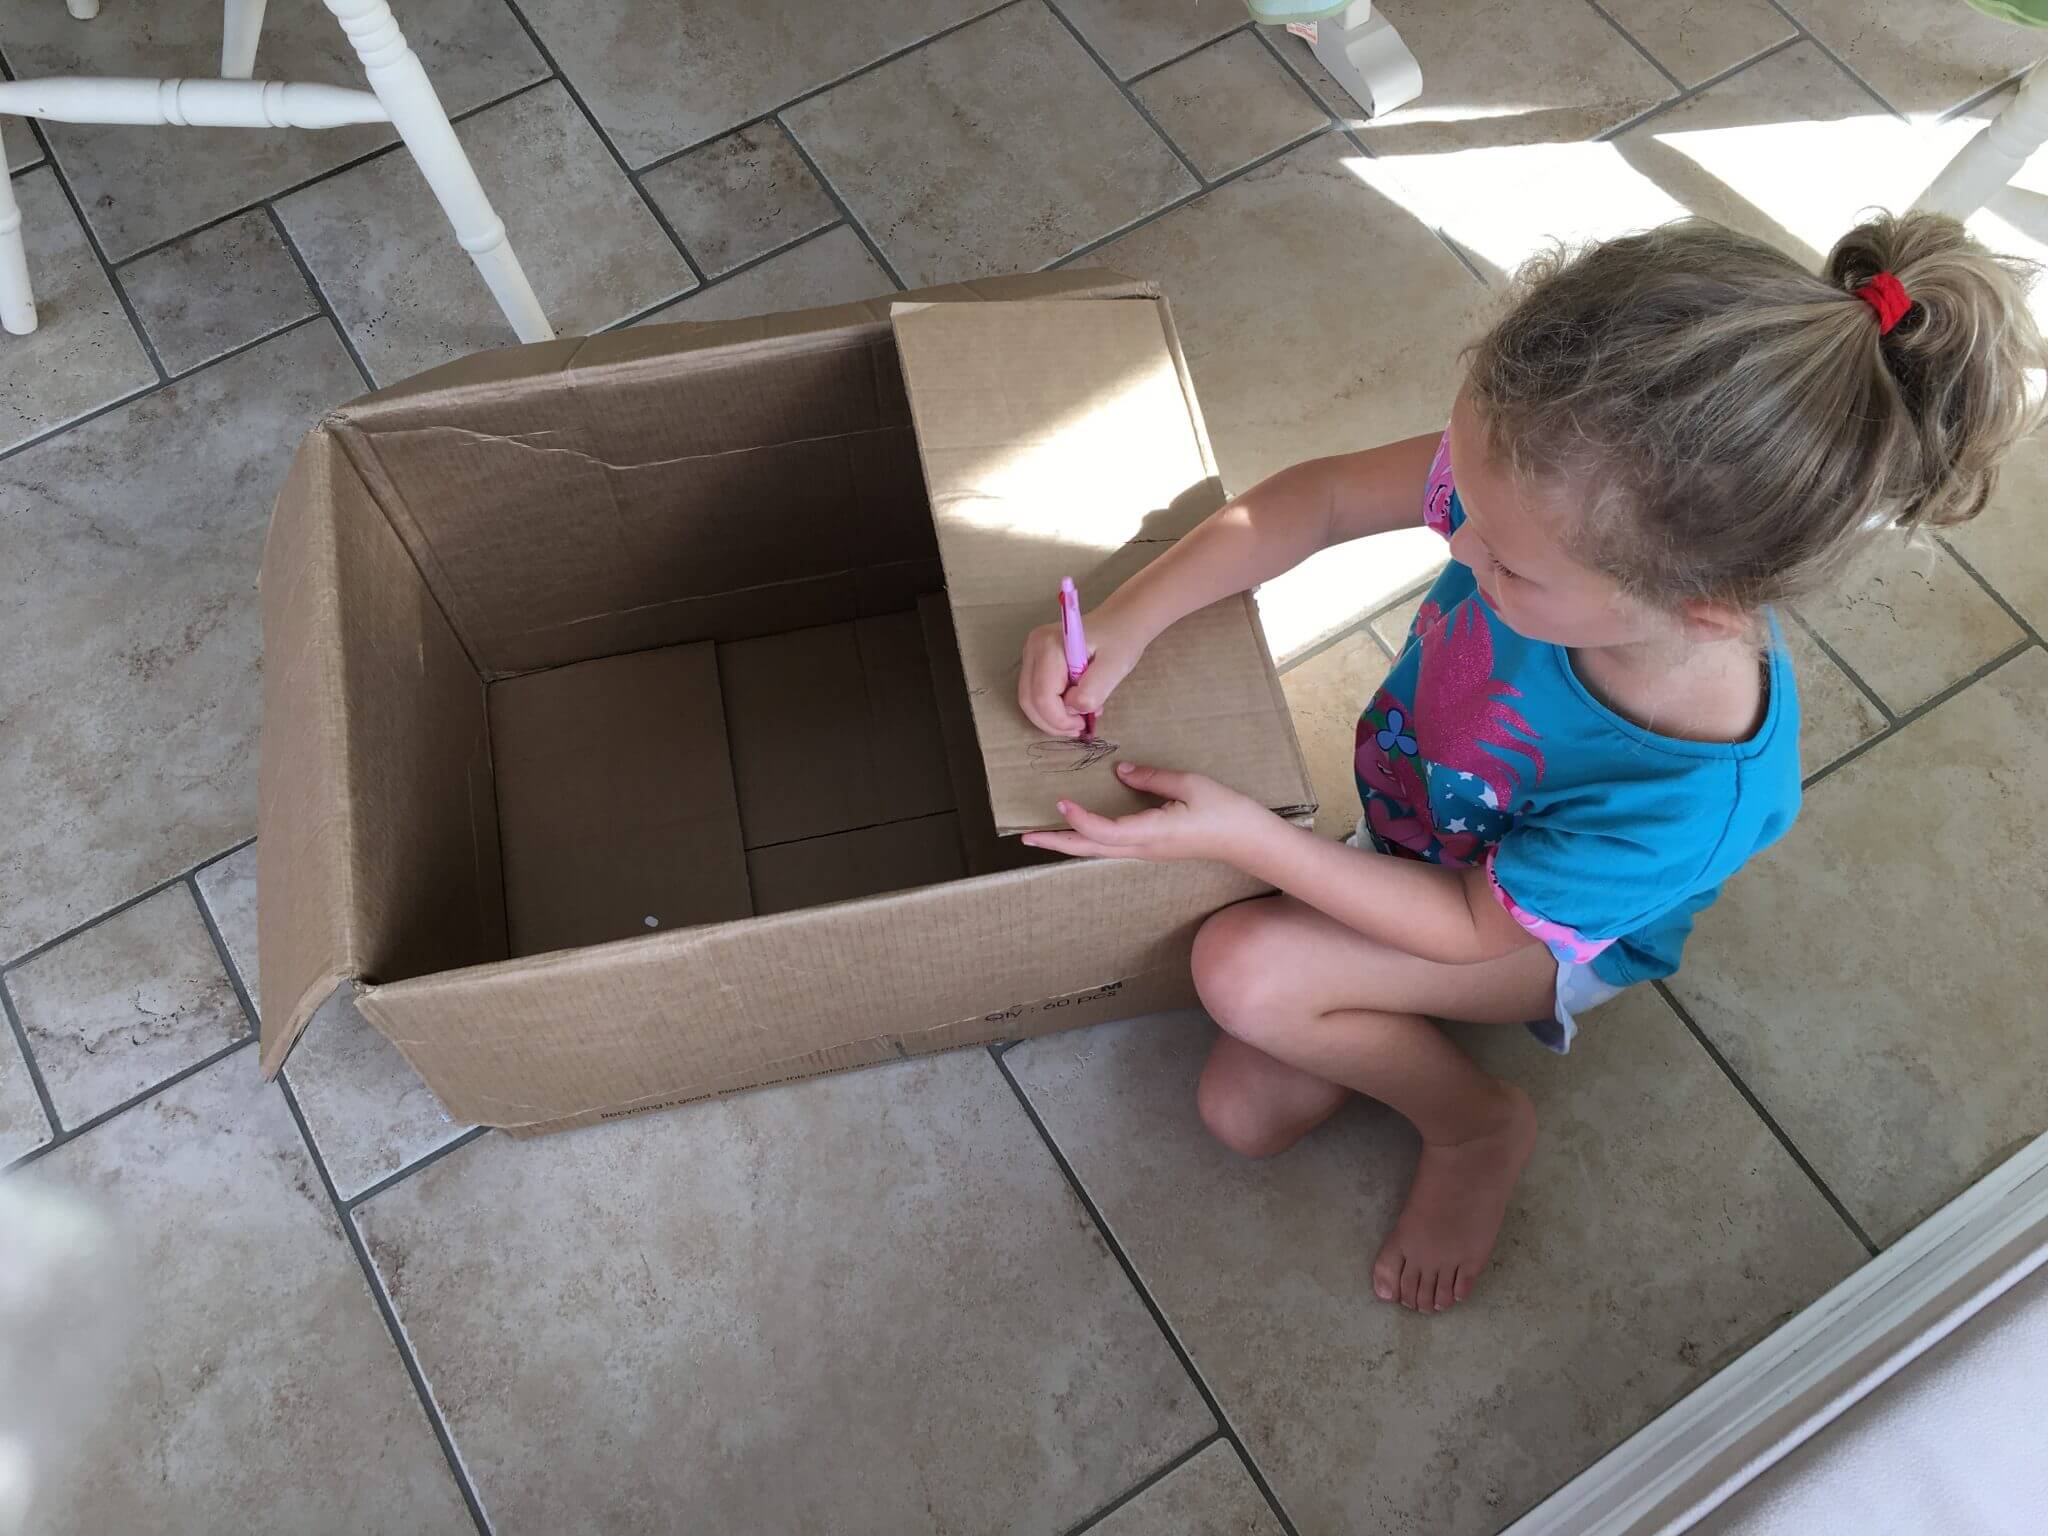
(1270, 529)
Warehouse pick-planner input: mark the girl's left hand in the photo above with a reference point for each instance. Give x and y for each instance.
(1200, 820)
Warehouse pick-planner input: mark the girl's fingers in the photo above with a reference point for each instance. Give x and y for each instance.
(1116, 831)
(1039, 694)
(1163, 782)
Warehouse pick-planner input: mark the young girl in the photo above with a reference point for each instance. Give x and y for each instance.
(1591, 726)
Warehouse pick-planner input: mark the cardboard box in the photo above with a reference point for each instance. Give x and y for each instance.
(639, 712)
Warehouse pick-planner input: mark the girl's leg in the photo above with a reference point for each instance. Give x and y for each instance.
(1312, 1011)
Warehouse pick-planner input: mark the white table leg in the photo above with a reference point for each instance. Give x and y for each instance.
(241, 26)
(17, 299)
(1361, 49)
(84, 10)
(416, 112)
(1994, 156)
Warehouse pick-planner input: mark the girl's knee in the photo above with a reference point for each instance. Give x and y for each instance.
(1234, 969)
(1237, 1117)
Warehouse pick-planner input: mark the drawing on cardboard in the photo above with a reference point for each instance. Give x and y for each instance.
(1068, 754)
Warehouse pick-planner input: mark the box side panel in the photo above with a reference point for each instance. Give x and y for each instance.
(615, 799)
(378, 854)
(1058, 440)
(646, 489)
(571, 538)
(669, 1018)
(1152, 992)
(304, 939)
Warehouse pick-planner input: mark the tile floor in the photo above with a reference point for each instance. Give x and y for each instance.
(991, 1291)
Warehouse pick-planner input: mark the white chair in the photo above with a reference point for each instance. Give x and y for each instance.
(1991, 159)
(1356, 44)
(399, 94)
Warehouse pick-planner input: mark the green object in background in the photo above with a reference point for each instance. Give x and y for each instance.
(2021, 13)
(1280, 13)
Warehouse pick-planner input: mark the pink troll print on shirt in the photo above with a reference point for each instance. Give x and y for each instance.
(1565, 943)
(1463, 711)
(1397, 774)
(1436, 501)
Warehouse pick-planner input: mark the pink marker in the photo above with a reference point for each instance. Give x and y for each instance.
(1077, 645)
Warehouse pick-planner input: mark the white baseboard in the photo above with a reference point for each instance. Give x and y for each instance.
(1686, 1461)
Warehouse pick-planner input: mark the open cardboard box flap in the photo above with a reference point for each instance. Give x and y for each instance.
(1063, 439)
(547, 566)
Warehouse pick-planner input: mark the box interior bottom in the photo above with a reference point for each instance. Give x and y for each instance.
(711, 781)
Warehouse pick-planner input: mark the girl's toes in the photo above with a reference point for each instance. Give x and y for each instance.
(1464, 1286)
(1386, 1276)
(1445, 1293)
(1411, 1284)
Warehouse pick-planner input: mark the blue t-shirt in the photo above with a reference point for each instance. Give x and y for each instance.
(1600, 837)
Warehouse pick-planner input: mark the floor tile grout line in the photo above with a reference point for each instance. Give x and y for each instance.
(28, 1058)
(81, 419)
(1803, 31)
(1363, 622)
(1636, 43)
(1300, 79)
(1971, 103)
(806, 238)
(1693, 92)
(576, 100)
(774, 114)
(1130, 96)
(846, 209)
(1188, 53)
(1144, 1484)
(1856, 678)
(1924, 708)
(92, 240)
(348, 343)
(1770, 1121)
(227, 960)
(398, 1176)
(382, 1300)
(396, 146)
(1990, 591)
(125, 903)
(246, 346)
(1185, 199)
(71, 1134)
(1225, 1428)
(255, 1021)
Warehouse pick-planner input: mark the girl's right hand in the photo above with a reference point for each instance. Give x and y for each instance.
(1048, 700)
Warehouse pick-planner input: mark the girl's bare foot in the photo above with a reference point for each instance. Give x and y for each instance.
(1455, 1206)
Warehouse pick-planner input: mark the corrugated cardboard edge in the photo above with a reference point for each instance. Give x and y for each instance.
(513, 368)
(305, 924)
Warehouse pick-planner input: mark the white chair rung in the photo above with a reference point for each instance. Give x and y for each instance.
(190, 103)
(400, 94)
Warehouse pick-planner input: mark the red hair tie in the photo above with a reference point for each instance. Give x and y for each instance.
(1887, 295)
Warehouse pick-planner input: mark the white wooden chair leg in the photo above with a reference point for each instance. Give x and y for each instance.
(416, 112)
(17, 299)
(84, 10)
(1995, 155)
(241, 26)
(1363, 52)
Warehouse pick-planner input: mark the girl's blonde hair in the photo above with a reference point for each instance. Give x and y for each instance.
(1736, 427)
